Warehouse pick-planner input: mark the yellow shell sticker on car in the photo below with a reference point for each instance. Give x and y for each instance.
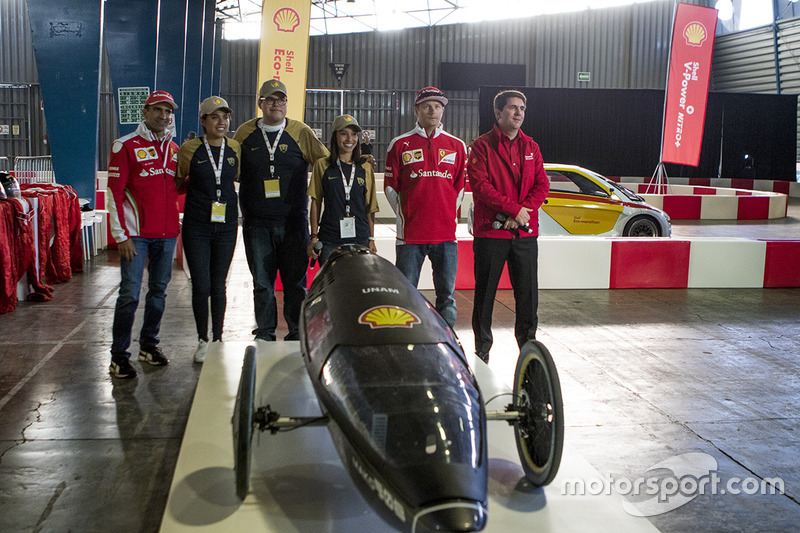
(388, 316)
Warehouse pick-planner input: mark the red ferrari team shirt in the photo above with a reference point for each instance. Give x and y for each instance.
(424, 181)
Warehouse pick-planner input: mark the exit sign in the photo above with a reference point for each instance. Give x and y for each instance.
(584, 76)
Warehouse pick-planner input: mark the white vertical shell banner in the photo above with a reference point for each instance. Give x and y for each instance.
(283, 50)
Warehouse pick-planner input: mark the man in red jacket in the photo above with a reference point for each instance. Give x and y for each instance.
(143, 209)
(509, 184)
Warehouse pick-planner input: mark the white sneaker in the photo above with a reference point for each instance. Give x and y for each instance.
(200, 352)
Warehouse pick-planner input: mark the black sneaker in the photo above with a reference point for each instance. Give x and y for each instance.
(155, 357)
(122, 369)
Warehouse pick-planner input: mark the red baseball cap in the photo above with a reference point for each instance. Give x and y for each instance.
(160, 96)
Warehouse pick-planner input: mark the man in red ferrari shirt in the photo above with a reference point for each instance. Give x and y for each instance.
(143, 212)
(506, 173)
(424, 182)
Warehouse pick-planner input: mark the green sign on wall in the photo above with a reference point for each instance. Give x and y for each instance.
(131, 102)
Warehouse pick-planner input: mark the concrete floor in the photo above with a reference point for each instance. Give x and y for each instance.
(647, 376)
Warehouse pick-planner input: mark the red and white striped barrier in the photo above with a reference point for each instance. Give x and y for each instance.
(790, 188)
(716, 199)
(641, 263)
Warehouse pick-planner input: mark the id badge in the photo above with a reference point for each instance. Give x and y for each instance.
(272, 188)
(217, 212)
(347, 228)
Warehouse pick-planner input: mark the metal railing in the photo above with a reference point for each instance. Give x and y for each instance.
(34, 169)
(5, 164)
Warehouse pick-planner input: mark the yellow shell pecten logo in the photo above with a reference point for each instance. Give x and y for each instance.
(388, 316)
(286, 19)
(695, 34)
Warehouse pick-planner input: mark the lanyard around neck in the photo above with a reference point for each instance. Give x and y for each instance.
(218, 165)
(273, 147)
(348, 184)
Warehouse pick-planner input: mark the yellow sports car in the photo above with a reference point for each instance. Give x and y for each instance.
(582, 202)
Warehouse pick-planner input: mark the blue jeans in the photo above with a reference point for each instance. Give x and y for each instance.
(444, 262)
(209, 250)
(160, 253)
(268, 251)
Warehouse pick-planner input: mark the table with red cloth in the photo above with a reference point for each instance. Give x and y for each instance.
(40, 242)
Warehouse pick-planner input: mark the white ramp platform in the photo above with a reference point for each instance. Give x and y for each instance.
(298, 484)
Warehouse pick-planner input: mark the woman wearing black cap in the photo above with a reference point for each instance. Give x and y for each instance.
(207, 169)
(345, 182)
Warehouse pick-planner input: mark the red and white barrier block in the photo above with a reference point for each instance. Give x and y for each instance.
(619, 263)
(639, 263)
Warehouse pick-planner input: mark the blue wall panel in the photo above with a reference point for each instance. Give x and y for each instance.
(66, 39)
(130, 33)
(169, 56)
(193, 68)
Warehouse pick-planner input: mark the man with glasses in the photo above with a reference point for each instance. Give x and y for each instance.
(276, 153)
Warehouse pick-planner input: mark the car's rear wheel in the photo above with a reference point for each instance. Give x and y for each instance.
(642, 226)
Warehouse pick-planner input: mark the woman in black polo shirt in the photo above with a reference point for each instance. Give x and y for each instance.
(345, 183)
(207, 169)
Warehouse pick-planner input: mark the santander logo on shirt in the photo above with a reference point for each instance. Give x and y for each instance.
(431, 174)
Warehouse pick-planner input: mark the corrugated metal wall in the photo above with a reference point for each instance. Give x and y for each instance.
(20, 96)
(745, 62)
(623, 48)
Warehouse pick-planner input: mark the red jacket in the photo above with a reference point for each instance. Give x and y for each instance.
(495, 191)
(424, 181)
(143, 201)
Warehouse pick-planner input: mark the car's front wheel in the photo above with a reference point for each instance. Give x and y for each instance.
(642, 226)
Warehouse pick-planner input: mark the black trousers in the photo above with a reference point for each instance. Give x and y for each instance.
(491, 255)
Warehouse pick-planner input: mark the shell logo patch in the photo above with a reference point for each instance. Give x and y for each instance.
(695, 34)
(447, 156)
(286, 20)
(412, 156)
(388, 316)
(145, 154)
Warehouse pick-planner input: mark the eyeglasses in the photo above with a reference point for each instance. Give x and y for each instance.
(272, 101)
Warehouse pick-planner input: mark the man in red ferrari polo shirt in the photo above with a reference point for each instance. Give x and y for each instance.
(424, 182)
